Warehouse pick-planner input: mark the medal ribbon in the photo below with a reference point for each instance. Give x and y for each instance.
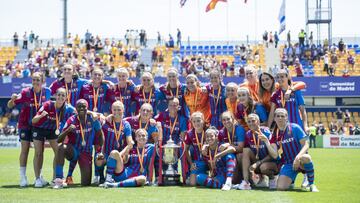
(36, 103)
(228, 134)
(81, 129)
(68, 90)
(117, 133)
(144, 96)
(172, 127)
(257, 143)
(216, 99)
(141, 158)
(202, 140)
(96, 96)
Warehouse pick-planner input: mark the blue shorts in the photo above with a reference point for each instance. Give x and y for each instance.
(201, 166)
(76, 154)
(287, 170)
(127, 173)
(25, 135)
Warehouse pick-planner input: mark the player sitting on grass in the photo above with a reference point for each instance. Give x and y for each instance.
(221, 162)
(131, 166)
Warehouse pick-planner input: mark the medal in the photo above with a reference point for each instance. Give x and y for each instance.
(257, 143)
(212, 170)
(141, 158)
(96, 97)
(197, 141)
(83, 143)
(117, 133)
(216, 100)
(172, 127)
(228, 134)
(57, 119)
(37, 105)
(280, 151)
(68, 90)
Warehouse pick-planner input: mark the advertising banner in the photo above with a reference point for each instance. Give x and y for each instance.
(316, 86)
(334, 141)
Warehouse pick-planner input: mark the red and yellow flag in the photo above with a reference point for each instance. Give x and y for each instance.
(212, 4)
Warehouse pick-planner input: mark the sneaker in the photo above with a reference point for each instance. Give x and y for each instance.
(273, 183)
(110, 184)
(235, 187)
(244, 185)
(313, 188)
(226, 187)
(38, 183)
(43, 181)
(69, 180)
(23, 181)
(96, 180)
(59, 183)
(263, 182)
(305, 182)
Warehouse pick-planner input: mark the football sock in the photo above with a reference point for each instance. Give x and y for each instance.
(309, 169)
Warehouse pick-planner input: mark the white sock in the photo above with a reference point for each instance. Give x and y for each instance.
(108, 177)
(22, 171)
(228, 181)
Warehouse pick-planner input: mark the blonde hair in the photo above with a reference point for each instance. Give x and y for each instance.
(253, 115)
(197, 114)
(192, 76)
(147, 105)
(118, 103)
(141, 130)
(122, 70)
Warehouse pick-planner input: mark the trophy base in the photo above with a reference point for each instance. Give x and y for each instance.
(171, 180)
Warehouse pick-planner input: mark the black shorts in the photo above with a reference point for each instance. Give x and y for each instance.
(25, 135)
(42, 134)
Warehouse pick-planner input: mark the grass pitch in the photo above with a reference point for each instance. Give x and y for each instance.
(337, 176)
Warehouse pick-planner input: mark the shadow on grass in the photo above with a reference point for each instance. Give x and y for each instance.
(254, 189)
(73, 186)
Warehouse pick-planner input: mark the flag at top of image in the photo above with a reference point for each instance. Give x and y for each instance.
(281, 17)
(212, 4)
(182, 2)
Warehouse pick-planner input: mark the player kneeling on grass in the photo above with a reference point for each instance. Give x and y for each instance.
(221, 162)
(131, 166)
(256, 156)
(80, 132)
(291, 144)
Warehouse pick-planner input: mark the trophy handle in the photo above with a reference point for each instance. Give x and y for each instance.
(183, 142)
